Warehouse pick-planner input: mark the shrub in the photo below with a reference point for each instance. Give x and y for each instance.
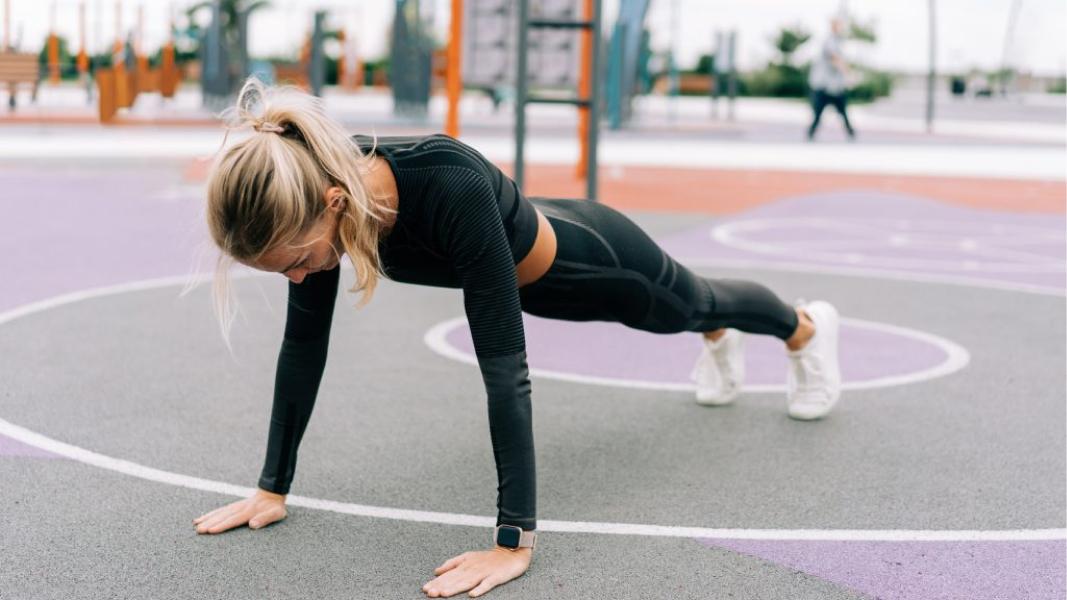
(776, 80)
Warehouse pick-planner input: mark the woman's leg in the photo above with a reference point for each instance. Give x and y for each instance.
(608, 269)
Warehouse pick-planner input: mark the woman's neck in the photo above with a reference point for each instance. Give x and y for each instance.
(382, 185)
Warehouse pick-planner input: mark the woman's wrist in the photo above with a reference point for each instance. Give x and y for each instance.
(526, 551)
(269, 494)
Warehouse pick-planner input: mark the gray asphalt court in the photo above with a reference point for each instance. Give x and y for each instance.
(938, 473)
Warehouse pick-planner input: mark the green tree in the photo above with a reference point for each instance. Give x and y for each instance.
(705, 64)
(861, 32)
(789, 40)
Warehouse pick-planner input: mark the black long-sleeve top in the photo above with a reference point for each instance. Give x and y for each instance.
(461, 223)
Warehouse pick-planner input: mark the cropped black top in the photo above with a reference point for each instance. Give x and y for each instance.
(461, 223)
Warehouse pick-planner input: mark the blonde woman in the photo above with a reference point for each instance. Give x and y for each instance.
(299, 192)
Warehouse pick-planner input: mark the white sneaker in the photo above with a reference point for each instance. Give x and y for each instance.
(814, 377)
(720, 369)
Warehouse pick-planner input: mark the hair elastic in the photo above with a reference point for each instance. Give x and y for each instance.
(267, 126)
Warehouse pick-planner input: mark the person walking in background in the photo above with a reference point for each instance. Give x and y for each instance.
(827, 79)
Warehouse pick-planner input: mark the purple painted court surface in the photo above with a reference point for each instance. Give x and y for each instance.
(876, 232)
(614, 352)
(886, 233)
(153, 228)
(12, 448)
(927, 570)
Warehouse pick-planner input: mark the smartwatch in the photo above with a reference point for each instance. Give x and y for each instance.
(512, 537)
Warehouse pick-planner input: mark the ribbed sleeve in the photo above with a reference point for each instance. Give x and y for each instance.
(476, 242)
(301, 362)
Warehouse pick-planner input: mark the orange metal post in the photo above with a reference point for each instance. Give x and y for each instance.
(342, 61)
(118, 67)
(168, 72)
(83, 56)
(584, 91)
(107, 100)
(53, 49)
(453, 74)
(53, 57)
(360, 74)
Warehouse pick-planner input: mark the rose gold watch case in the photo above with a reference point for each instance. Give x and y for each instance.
(527, 539)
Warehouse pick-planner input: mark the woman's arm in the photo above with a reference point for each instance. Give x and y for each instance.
(479, 248)
(301, 361)
(300, 364)
(475, 240)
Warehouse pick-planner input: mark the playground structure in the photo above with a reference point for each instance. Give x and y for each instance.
(115, 78)
(587, 99)
(130, 74)
(559, 59)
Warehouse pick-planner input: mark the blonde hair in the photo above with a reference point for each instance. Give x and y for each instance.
(268, 189)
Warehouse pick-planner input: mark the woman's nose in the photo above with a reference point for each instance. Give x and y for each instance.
(297, 275)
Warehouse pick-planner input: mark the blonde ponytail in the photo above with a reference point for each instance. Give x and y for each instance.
(268, 189)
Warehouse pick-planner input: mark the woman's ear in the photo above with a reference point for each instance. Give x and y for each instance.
(334, 198)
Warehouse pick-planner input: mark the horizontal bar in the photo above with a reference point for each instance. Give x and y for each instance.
(542, 100)
(557, 24)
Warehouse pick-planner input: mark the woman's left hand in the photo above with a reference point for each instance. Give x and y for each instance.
(482, 571)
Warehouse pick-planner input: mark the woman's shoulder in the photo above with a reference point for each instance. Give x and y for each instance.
(401, 143)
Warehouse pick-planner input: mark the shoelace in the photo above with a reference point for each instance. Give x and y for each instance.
(700, 369)
(808, 371)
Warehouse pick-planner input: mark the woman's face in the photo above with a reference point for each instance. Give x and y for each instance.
(317, 250)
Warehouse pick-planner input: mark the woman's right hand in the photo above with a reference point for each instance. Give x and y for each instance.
(261, 509)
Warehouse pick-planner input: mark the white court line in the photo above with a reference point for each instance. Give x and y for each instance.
(399, 514)
(956, 358)
(133, 469)
(731, 234)
(868, 273)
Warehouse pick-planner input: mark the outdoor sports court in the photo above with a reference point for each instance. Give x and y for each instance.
(939, 475)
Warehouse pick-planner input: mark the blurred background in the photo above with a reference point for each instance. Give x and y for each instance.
(988, 70)
(936, 87)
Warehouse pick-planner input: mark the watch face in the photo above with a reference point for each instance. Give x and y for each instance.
(508, 536)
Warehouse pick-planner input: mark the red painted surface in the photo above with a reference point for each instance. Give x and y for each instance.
(728, 191)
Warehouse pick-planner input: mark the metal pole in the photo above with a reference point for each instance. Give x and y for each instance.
(732, 85)
(453, 77)
(520, 92)
(317, 63)
(594, 107)
(1009, 35)
(672, 58)
(98, 27)
(930, 78)
(7, 26)
(117, 46)
(716, 62)
(616, 65)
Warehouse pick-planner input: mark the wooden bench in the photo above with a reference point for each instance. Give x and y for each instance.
(18, 68)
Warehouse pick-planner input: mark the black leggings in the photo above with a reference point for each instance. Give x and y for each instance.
(819, 100)
(608, 269)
